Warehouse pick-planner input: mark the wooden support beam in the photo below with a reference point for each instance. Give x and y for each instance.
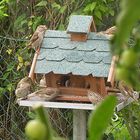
(97, 84)
(101, 87)
(48, 79)
(111, 75)
(93, 84)
(93, 27)
(31, 73)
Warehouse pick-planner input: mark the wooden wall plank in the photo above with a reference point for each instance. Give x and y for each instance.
(48, 79)
(73, 91)
(101, 87)
(78, 37)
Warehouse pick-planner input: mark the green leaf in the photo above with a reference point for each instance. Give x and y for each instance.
(4, 1)
(125, 22)
(63, 9)
(90, 7)
(98, 14)
(31, 115)
(55, 5)
(100, 118)
(42, 115)
(61, 27)
(42, 4)
(11, 66)
(5, 76)
(20, 59)
(20, 21)
(1, 7)
(102, 8)
(10, 87)
(111, 12)
(2, 90)
(5, 15)
(104, 1)
(87, 9)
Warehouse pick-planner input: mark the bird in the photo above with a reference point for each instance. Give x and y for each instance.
(126, 90)
(44, 94)
(95, 98)
(26, 79)
(109, 32)
(42, 82)
(37, 37)
(120, 97)
(24, 87)
(23, 91)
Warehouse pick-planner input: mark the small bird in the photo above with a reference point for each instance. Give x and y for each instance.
(120, 97)
(24, 87)
(126, 90)
(45, 94)
(23, 81)
(112, 30)
(95, 98)
(42, 82)
(37, 37)
(109, 32)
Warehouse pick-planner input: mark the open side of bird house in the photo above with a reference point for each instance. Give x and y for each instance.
(76, 61)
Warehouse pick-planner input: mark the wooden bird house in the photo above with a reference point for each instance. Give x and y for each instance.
(77, 60)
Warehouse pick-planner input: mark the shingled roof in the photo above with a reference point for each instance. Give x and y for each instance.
(79, 24)
(60, 55)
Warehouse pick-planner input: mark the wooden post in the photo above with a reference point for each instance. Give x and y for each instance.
(100, 84)
(111, 75)
(79, 125)
(31, 73)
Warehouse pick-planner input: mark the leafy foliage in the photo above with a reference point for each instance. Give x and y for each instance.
(100, 119)
(131, 115)
(117, 130)
(128, 65)
(129, 57)
(3, 9)
(99, 9)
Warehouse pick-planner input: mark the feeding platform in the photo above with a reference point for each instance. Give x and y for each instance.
(79, 106)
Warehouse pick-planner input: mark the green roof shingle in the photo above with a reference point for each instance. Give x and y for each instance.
(60, 55)
(79, 24)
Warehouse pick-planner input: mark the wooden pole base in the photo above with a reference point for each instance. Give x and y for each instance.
(79, 125)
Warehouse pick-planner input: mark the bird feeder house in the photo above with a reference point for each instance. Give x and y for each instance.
(76, 61)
